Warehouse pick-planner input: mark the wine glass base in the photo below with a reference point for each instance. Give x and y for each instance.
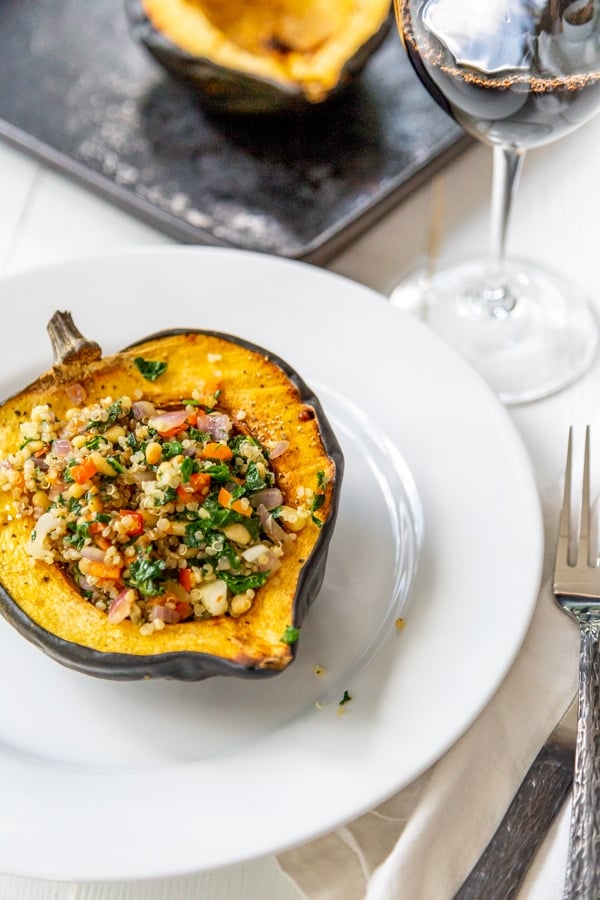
(543, 343)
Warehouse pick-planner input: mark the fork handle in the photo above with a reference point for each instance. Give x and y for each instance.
(583, 867)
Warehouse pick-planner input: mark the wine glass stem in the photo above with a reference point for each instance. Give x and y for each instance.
(495, 299)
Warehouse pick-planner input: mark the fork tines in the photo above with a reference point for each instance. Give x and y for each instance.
(579, 577)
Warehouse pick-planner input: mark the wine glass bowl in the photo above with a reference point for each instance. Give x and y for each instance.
(516, 74)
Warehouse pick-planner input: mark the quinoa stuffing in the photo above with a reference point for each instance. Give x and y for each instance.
(158, 516)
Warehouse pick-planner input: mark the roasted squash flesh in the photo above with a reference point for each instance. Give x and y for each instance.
(268, 402)
(305, 44)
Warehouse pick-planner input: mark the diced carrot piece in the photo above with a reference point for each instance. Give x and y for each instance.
(185, 492)
(102, 570)
(171, 432)
(215, 450)
(185, 579)
(183, 608)
(136, 524)
(240, 506)
(198, 485)
(82, 472)
(224, 497)
(200, 482)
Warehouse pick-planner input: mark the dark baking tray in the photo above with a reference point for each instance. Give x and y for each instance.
(79, 94)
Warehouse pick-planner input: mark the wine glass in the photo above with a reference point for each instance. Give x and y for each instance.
(515, 74)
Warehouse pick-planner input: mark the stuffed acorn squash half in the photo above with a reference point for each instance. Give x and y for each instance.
(262, 56)
(167, 511)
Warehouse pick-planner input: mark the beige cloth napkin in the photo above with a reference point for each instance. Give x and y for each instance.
(423, 842)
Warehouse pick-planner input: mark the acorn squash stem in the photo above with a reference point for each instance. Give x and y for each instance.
(68, 344)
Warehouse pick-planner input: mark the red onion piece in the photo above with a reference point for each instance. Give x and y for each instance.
(166, 422)
(142, 409)
(271, 564)
(62, 447)
(218, 425)
(270, 498)
(279, 448)
(84, 584)
(270, 527)
(120, 608)
(56, 490)
(142, 475)
(164, 613)
(76, 394)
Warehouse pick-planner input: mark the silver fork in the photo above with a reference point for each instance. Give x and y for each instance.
(577, 591)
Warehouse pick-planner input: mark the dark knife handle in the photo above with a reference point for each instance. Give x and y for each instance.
(501, 869)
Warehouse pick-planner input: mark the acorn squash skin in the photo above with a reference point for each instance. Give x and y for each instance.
(226, 89)
(44, 606)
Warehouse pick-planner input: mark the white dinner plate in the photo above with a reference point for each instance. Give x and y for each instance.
(104, 780)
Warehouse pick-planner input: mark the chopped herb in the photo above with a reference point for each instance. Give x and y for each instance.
(116, 464)
(171, 448)
(345, 699)
(149, 369)
(78, 534)
(95, 442)
(290, 635)
(318, 499)
(239, 584)
(229, 553)
(321, 480)
(26, 441)
(67, 477)
(237, 491)
(220, 473)
(164, 496)
(194, 434)
(254, 481)
(194, 536)
(236, 442)
(187, 468)
(189, 402)
(74, 505)
(221, 516)
(145, 575)
(114, 413)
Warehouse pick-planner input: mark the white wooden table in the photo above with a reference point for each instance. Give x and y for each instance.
(45, 218)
